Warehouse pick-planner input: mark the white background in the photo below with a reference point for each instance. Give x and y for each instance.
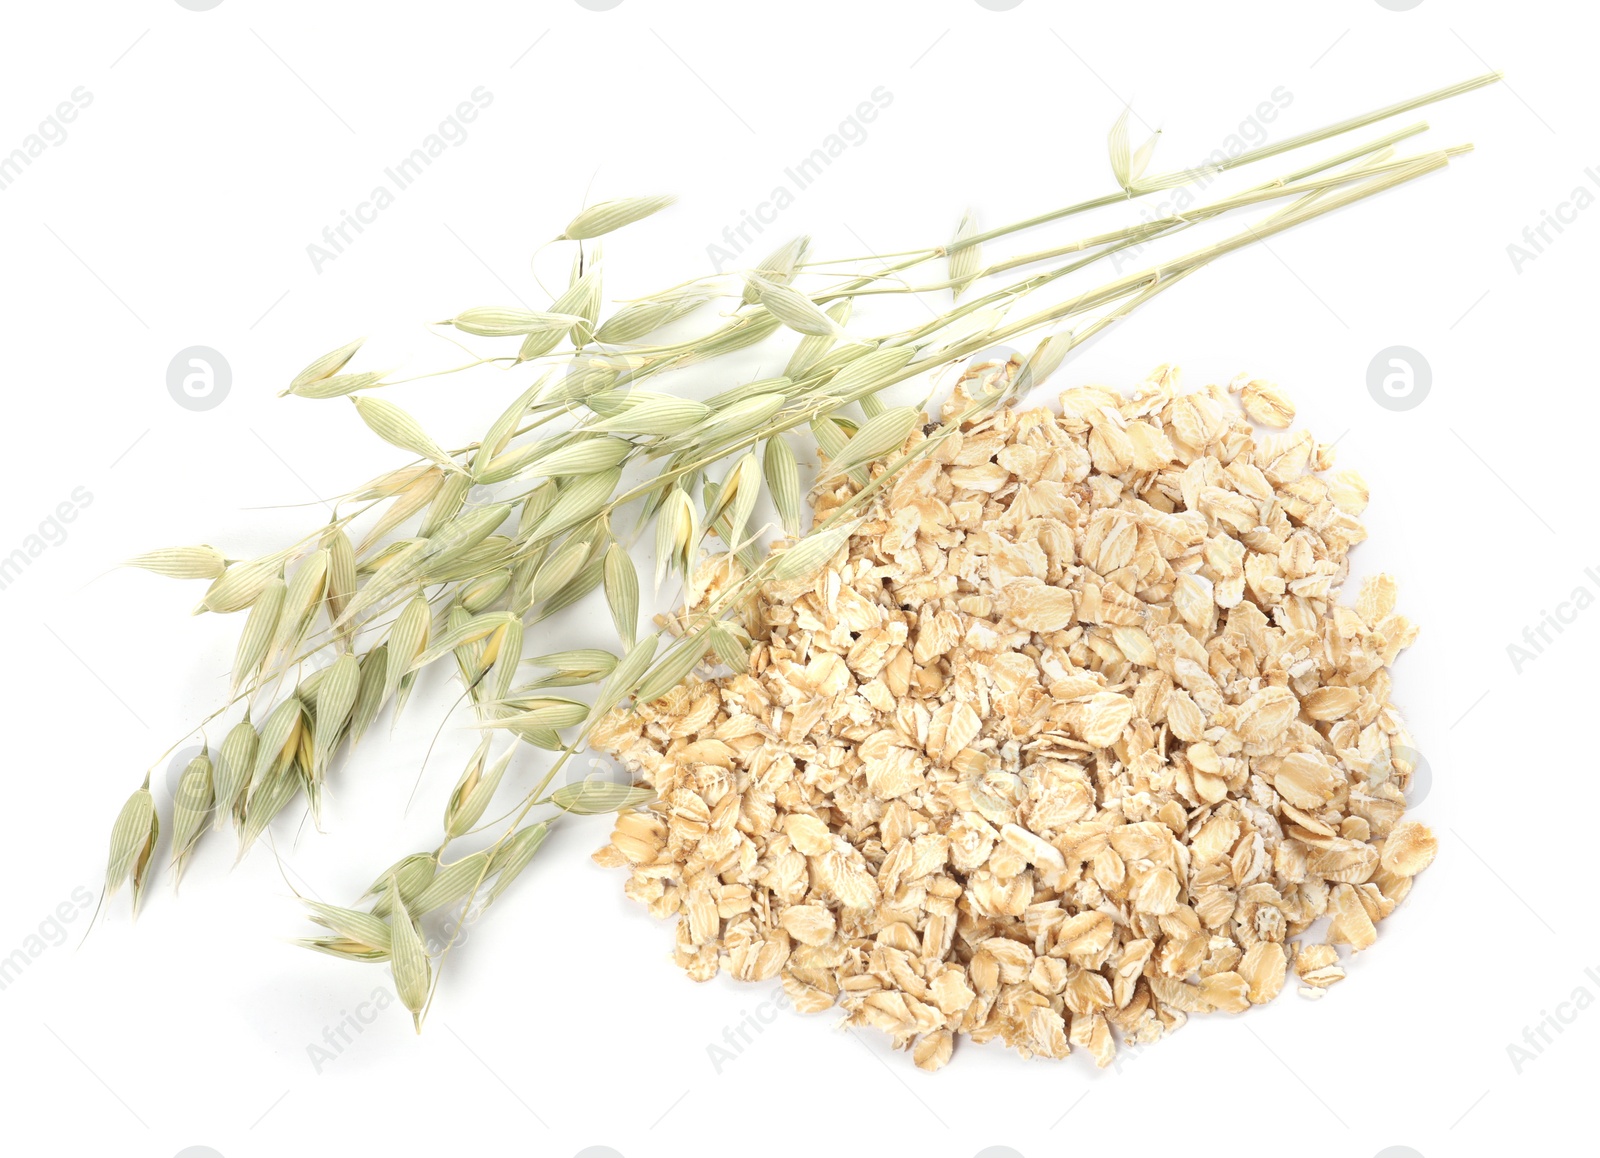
(177, 212)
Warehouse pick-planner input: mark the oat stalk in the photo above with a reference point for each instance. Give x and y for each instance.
(414, 571)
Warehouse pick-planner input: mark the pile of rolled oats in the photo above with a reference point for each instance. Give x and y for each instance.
(1073, 736)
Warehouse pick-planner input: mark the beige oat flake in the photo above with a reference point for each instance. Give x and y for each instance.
(1070, 740)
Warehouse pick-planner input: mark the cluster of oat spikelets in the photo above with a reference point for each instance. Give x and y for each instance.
(1073, 736)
